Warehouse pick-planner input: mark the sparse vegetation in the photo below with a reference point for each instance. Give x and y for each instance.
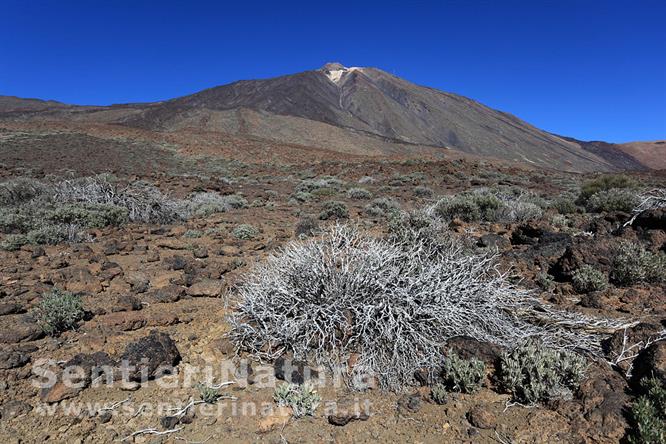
(358, 193)
(306, 227)
(209, 395)
(59, 311)
(534, 373)
(334, 209)
(245, 232)
(489, 205)
(587, 279)
(648, 414)
(615, 199)
(423, 191)
(605, 183)
(633, 264)
(439, 394)
(463, 375)
(302, 399)
(382, 207)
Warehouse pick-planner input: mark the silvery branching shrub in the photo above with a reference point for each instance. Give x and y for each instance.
(394, 301)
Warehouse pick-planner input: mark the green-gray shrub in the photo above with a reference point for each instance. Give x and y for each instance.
(245, 232)
(209, 395)
(615, 199)
(604, 183)
(633, 264)
(334, 209)
(358, 193)
(439, 394)
(59, 311)
(53, 234)
(382, 206)
(88, 215)
(193, 234)
(533, 373)
(423, 191)
(648, 414)
(19, 190)
(587, 279)
(565, 205)
(14, 242)
(463, 375)
(302, 399)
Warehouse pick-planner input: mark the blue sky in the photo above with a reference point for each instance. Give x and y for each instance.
(594, 70)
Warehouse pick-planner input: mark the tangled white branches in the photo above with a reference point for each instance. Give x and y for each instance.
(393, 301)
(650, 200)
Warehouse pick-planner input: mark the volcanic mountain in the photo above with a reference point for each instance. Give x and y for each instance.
(363, 111)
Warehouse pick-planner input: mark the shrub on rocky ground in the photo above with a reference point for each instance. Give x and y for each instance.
(59, 311)
(334, 209)
(302, 399)
(633, 264)
(19, 190)
(325, 182)
(588, 278)
(205, 204)
(393, 301)
(209, 395)
(358, 193)
(489, 205)
(306, 227)
(245, 232)
(439, 394)
(423, 191)
(615, 199)
(605, 183)
(13, 242)
(533, 373)
(463, 375)
(565, 205)
(648, 414)
(382, 207)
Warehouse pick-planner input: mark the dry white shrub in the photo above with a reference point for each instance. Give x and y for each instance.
(394, 301)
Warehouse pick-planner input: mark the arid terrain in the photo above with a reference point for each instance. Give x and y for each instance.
(227, 186)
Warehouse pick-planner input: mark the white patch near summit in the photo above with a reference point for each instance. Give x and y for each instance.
(336, 75)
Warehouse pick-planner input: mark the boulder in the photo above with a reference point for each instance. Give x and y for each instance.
(150, 356)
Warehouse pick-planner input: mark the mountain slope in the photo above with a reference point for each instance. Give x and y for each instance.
(362, 111)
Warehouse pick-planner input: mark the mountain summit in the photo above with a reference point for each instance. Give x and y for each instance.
(363, 111)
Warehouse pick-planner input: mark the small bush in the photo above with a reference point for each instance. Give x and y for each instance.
(205, 204)
(533, 373)
(303, 399)
(245, 232)
(382, 207)
(648, 414)
(463, 375)
(366, 179)
(633, 264)
(358, 193)
(54, 234)
(565, 205)
(490, 206)
(615, 199)
(423, 191)
(193, 234)
(209, 395)
(20, 190)
(588, 278)
(334, 210)
(306, 227)
(89, 215)
(439, 394)
(326, 183)
(59, 311)
(545, 281)
(14, 242)
(605, 183)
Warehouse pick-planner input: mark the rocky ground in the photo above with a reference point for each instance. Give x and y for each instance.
(162, 293)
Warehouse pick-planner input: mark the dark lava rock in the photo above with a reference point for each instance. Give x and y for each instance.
(13, 359)
(126, 302)
(14, 408)
(344, 419)
(19, 328)
(169, 422)
(152, 356)
(468, 348)
(651, 220)
(175, 263)
(7, 308)
(651, 362)
(93, 364)
(493, 240)
(295, 372)
(170, 293)
(481, 417)
(526, 234)
(603, 397)
(410, 403)
(105, 417)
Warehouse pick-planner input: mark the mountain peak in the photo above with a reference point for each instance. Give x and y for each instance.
(335, 71)
(333, 66)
